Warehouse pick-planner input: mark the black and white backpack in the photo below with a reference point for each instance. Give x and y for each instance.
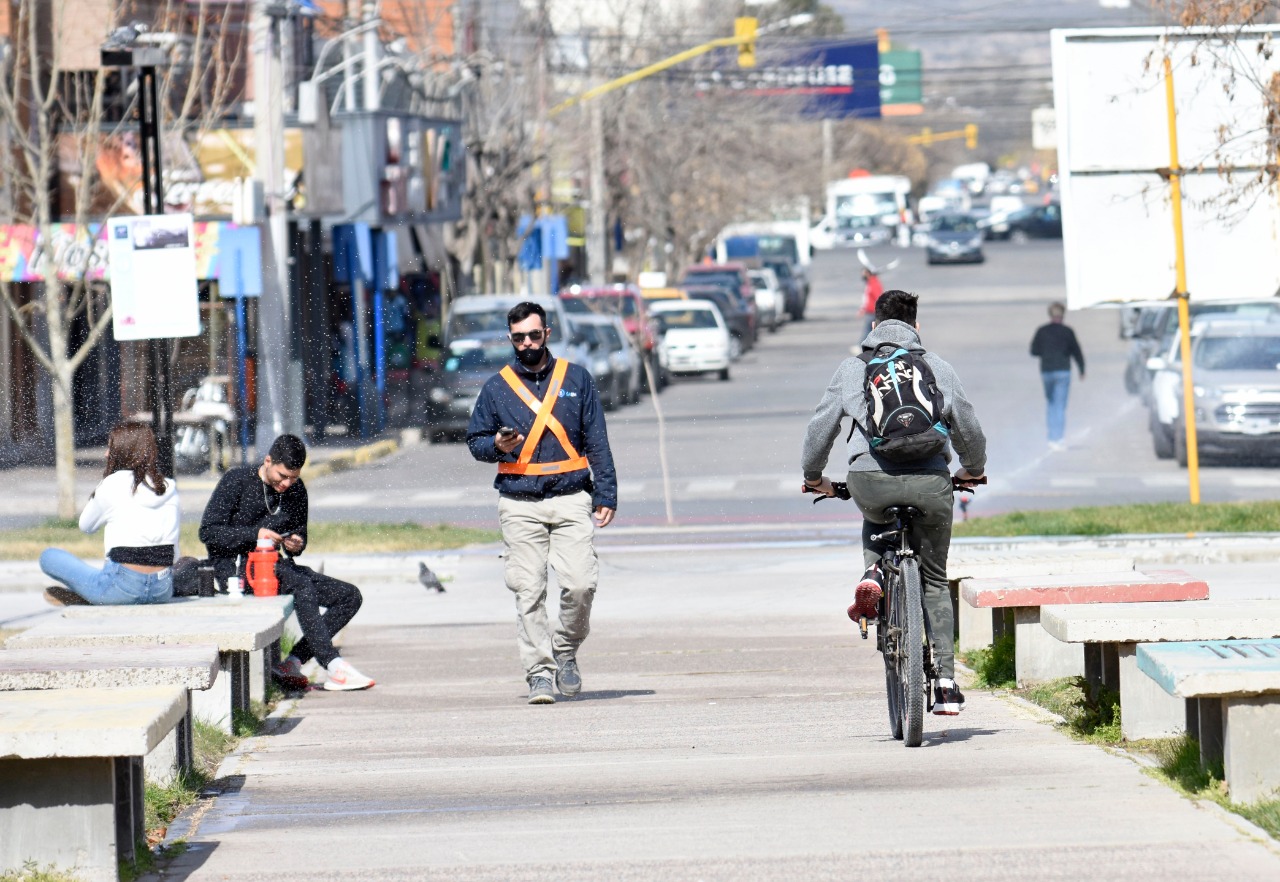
(904, 407)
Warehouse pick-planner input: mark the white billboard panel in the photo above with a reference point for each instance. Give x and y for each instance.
(1118, 237)
(154, 293)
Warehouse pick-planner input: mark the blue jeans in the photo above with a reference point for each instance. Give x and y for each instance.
(111, 585)
(1056, 386)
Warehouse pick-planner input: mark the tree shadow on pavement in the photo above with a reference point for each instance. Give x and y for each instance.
(956, 735)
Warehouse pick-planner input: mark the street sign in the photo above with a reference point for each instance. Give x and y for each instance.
(901, 83)
(153, 277)
(1114, 156)
(1044, 128)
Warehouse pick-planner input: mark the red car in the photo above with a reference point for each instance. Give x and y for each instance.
(624, 301)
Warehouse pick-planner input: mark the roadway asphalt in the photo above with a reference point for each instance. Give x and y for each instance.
(733, 448)
(732, 727)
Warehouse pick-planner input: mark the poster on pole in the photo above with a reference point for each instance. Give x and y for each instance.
(154, 294)
(1114, 156)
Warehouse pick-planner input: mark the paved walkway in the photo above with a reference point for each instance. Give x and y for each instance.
(732, 727)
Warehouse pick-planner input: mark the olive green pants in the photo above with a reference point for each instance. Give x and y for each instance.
(930, 536)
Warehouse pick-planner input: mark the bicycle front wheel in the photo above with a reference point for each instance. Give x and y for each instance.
(911, 654)
(891, 643)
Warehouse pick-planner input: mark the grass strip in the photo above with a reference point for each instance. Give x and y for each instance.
(1178, 764)
(994, 665)
(325, 537)
(1159, 517)
(30, 872)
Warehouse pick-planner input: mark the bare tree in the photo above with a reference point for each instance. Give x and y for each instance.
(54, 111)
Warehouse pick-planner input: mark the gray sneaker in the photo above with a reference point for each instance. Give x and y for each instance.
(568, 679)
(540, 691)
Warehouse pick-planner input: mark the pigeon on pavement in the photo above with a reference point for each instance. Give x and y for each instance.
(429, 580)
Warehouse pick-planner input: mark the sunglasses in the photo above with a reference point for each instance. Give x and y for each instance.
(519, 337)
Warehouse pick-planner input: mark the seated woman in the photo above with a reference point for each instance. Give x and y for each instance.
(139, 508)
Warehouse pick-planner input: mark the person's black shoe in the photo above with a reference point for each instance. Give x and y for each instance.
(568, 678)
(540, 691)
(948, 700)
(59, 596)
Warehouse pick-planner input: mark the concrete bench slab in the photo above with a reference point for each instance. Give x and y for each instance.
(237, 635)
(1232, 694)
(1111, 633)
(1039, 657)
(282, 603)
(186, 667)
(979, 627)
(71, 777)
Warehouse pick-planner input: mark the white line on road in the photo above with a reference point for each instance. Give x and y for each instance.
(342, 500)
(438, 497)
(1073, 482)
(707, 486)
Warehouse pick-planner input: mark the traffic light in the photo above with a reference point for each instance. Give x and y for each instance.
(745, 30)
(971, 136)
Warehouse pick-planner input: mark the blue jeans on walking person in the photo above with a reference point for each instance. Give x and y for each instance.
(112, 584)
(1056, 386)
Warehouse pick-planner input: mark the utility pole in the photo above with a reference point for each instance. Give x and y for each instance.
(597, 228)
(279, 379)
(372, 58)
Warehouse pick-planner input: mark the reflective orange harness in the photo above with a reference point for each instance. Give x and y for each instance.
(543, 421)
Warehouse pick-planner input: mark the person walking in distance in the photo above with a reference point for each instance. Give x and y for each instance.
(871, 293)
(269, 502)
(541, 421)
(1056, 346)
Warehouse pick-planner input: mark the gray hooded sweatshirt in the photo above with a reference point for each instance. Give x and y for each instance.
(846, 397)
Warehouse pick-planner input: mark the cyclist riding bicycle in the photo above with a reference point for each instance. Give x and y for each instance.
(877, 482)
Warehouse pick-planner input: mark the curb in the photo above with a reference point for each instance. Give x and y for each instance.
(351, 459)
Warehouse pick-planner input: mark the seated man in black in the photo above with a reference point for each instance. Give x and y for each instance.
(270, 502)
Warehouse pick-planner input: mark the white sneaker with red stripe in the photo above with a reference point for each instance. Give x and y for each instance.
(343, 677)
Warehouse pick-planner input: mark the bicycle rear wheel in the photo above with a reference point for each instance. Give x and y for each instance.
(911, 654)
(891, 639)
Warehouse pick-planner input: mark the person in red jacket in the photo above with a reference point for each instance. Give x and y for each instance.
(869, 297)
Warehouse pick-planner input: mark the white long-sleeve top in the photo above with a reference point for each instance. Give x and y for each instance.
(133, 518)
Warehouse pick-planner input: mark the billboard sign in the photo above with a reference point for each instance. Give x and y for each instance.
(901, 83)
(1114, 155)
(828, 80)
(153, 276)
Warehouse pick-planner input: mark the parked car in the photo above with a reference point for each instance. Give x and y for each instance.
(795, 293)
(734, 316)
(771, 301)
(626, 367)
(1039, 222)
(1001, 208)
(629, 304)
(1157, 326)
(955, 238)
(595, 348)
(733, 278)
(695, 337)
(481, 313)
(467, 364)
(1236, 372)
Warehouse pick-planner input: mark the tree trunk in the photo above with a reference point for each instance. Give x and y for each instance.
(64, 443)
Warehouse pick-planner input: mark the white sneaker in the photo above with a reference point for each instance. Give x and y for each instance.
(1057, 446)
(343, 677)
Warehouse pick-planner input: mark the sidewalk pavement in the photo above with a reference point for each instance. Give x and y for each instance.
(31, 493)
(732, 726)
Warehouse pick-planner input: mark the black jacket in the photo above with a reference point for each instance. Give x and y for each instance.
(578, 410)
(239, 508)
(1055, 345)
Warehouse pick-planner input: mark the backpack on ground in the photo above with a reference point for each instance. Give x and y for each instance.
(904, 406)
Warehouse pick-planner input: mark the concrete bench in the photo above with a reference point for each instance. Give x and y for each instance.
(979, 628)
(1111, 633)
(1232, 694)
(1040, 658)
(71, 774)
(183, 667)
(238, 634)
(259, 662)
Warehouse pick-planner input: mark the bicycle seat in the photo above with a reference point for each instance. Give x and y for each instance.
(904, 513)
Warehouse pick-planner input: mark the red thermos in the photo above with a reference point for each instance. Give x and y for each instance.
(260, 570)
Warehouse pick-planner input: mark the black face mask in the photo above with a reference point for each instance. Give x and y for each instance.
(530, 357)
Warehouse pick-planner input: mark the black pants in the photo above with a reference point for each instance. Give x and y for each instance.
(311, 591)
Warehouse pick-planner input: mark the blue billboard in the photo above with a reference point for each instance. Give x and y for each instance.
(835, 80)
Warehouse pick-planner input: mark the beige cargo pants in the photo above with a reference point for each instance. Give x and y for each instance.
(558, 531)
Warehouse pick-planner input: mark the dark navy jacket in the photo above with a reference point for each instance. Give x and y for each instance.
(578, 410)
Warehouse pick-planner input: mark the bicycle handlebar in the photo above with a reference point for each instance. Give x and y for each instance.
(841, 489)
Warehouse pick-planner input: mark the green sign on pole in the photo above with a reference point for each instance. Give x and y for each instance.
(901, 77)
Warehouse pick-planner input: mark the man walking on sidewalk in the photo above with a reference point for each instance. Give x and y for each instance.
(541, 421)
(1055, 345)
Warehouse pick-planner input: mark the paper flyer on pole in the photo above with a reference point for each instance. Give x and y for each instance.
(154, 294)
